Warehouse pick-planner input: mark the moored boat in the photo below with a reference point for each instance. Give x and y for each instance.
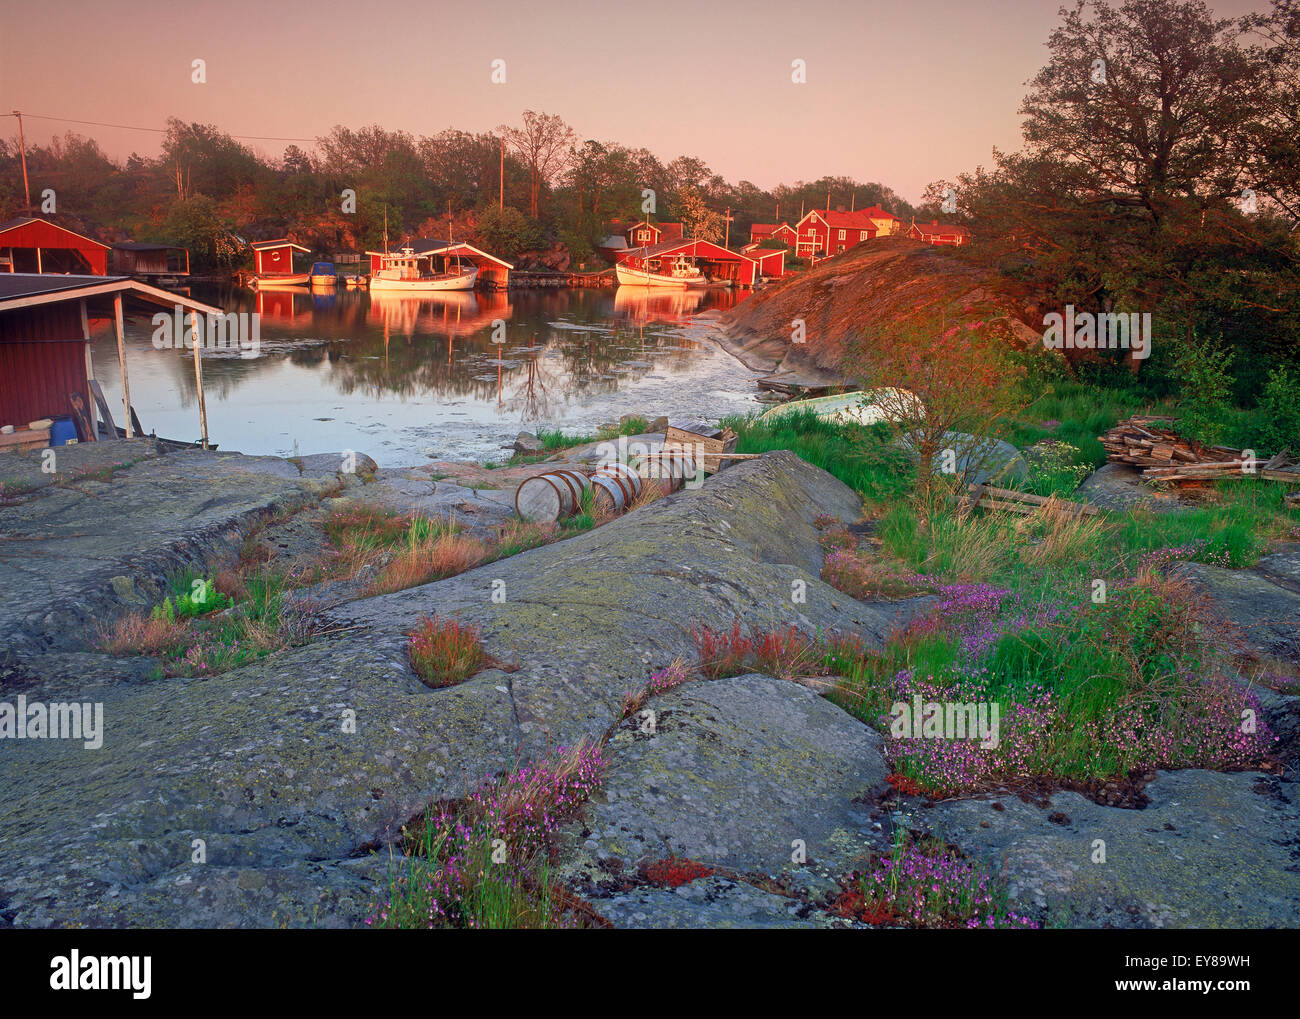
(407, 271)
(681, 274)
(323, 275)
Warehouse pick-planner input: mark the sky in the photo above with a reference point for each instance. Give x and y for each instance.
(903, 92)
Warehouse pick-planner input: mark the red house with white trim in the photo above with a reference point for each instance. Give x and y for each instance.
(644, 234)
(771, 261)
(782, 232)
(275, 258)
(935, 232)
(825, 232)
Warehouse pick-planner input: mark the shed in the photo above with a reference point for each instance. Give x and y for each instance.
(32, 245)
(275, 258)
(143, 259)
(45, 363)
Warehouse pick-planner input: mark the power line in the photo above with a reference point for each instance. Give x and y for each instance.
(160, 130)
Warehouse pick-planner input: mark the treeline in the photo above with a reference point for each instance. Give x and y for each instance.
(1160, 173)
(525, 187)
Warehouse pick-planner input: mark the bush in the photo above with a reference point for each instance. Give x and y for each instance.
(1204, 404)
(1278, 412)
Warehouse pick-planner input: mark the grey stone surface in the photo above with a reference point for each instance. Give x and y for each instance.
(708, 902)
(1262, 603)
(73, 554)
(257, 761)
(1120, 487)
(738, 773)
(1210, 850)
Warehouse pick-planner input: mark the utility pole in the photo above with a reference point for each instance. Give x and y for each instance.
(727, 219)
(501, 190)
(22, 148)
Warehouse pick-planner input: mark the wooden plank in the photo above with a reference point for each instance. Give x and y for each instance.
(98, 393)
(81, 414)
(26, 438)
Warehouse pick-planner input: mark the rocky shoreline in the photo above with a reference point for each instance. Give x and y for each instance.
(298, 815)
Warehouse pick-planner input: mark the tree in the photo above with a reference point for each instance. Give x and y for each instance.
(542, 144)
(508, 231)
(942, 387)
(698, 220)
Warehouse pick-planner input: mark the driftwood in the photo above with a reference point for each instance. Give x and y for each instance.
(1008, 499)
(1169, 458)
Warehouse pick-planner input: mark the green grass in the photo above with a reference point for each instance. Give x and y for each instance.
(859, 456)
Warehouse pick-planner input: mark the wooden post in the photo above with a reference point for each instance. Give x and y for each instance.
(90, 363)
(27, 194)
(198, 376)
(121, 361)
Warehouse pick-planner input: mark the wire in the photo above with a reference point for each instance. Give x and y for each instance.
(155, 130)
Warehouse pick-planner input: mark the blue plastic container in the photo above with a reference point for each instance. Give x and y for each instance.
(63, 429)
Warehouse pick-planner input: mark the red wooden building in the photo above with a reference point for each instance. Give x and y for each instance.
(782, 232)
(28, 244)
(644, 234)
(935, 232)
(715, 261)
(45, 331)
(771, 261)
(827, 232)
(275, 258)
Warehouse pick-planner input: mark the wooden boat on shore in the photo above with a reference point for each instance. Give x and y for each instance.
(407, 271)
(864, 407)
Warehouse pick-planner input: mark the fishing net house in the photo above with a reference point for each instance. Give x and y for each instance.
(46, 370)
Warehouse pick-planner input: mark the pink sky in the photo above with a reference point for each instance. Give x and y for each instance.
(901, 92)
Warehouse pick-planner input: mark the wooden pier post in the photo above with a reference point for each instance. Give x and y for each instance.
(120, 328)
(198, 376)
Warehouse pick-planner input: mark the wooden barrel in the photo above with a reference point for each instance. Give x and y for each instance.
(615, 486)
(669, 469)
(545, 498)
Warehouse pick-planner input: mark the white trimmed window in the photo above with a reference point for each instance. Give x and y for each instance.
(841, 235)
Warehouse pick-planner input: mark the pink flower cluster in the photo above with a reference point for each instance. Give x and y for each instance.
(523, 809)
(936, 888)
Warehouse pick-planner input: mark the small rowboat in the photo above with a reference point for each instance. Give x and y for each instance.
(865, 407)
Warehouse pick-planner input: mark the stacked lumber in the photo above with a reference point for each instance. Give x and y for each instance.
(1168, 458)
(990, 498)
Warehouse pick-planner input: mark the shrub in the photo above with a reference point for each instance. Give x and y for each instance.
(444, 652)
(1278, 412)
(1205, 401)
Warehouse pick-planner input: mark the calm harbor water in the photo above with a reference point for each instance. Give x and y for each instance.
(407, 378)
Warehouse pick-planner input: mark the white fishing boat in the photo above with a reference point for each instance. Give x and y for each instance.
(680, 274)
(426, 271)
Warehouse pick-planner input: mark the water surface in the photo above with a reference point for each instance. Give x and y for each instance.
(409, 378)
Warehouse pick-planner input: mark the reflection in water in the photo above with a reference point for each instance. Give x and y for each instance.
(333, 364)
